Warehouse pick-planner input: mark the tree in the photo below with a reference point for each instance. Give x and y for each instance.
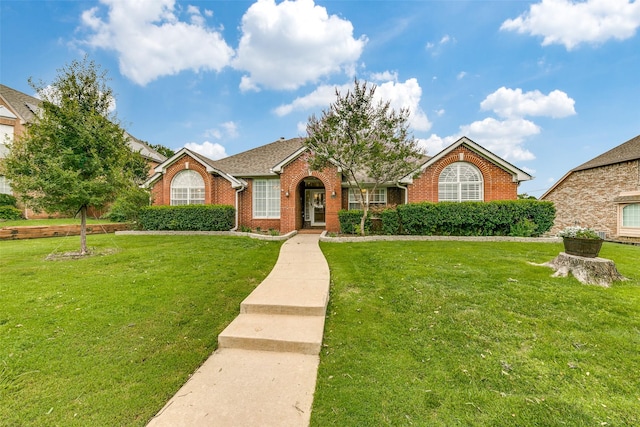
(368, 141)
(75, 154)
(164, 150)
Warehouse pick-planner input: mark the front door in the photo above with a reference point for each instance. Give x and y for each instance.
(318, 202)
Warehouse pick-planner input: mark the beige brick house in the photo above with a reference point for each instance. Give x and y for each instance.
(603, 193)
(273, 187)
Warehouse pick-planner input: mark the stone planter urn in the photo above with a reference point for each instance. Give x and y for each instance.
(588, 248)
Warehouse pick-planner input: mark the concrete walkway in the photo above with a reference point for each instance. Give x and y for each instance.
(264, 370)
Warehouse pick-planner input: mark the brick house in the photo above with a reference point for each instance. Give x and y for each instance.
(273, 187)
(18, 110)
(603, 193)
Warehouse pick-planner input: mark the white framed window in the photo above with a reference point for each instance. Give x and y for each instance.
(631, 216)
(187, 188)
(5, 185)
(266, 198)
(460, 182)
(377, 197)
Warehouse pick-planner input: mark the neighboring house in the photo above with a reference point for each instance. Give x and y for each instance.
(603, 193)
(18, 110)
(273, 187)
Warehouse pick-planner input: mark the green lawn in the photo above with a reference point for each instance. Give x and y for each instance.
(459, 333)
(50, 221)
(107, 340)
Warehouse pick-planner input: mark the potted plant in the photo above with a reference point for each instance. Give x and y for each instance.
(581, 241)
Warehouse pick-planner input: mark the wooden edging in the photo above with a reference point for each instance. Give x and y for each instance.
(41, 231)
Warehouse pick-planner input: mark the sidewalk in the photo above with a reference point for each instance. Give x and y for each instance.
(264, 370)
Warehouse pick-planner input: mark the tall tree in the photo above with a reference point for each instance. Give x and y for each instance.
(368, 140)
(75, 154)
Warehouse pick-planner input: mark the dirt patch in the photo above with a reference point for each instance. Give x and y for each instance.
(61, 256)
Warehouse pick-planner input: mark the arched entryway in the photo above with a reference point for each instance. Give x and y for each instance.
(312, 204)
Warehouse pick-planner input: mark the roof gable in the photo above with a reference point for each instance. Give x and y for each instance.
(518, 174)
(204, 161)
(625, 152)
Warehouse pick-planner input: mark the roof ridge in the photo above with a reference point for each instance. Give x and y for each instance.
(627, 151)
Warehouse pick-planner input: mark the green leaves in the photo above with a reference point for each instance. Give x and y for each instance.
(75, 153)
(366, 139)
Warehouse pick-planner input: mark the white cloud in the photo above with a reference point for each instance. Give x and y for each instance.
(321, 97)
(400, 95)
(151, 41)
(461, 75)
(214, 151)
(571, 23)
(226, 129)
(385, 76)
(406, 95)
(514, 103)
(435, 144)
(286, 45)
(436, 47)
(502, 137)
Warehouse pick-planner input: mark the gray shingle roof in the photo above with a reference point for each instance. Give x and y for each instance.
(257, 161)
(624, 152)
(19, 102)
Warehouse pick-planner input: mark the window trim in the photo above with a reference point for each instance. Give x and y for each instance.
(381, 194)
(192, 192)
(271, 199)
(459, 185)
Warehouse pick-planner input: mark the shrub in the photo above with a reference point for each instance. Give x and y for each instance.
(128, 205)
(350, 221)
(10, 213)
(187, 218)
(8, 200)
(497, 218)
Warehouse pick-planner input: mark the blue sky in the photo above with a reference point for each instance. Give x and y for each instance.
(547, 84)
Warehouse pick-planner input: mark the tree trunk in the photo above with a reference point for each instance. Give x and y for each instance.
(83, 231)
(363, 220)
(592, 271)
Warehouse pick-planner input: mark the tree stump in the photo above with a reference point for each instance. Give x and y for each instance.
(591, 271)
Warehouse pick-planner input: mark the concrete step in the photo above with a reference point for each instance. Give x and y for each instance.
(273, 332)
(280, 295)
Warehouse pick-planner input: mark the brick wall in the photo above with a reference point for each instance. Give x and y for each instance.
(291, 207)
(498, 183)
(585, 197)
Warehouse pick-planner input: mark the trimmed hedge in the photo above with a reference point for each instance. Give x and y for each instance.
(187, 218)
(498, 218)
(10, 213)
(350, 221)
(8, 200)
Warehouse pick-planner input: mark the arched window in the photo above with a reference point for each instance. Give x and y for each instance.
(631, 215)
(460, 182)
(187, 188)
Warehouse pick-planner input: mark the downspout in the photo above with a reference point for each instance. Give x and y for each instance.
(406, 192)
(242, 187)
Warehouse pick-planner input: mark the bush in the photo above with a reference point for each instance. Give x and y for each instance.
(8, 200)
(187, 218)
(497, 218)
(350, 221)
(127, 206)
(10, 213)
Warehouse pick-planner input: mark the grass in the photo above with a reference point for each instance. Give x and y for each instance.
(107, 340)
(470, 334)
(49, 221)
